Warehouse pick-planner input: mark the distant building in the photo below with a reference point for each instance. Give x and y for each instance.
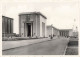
(52, 31)
(32, 24)
(75, 34)
(7, 26)
(65, 32)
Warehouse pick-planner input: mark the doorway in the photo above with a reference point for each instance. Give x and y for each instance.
(29, 29)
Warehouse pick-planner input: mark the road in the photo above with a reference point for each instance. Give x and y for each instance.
(51, 47)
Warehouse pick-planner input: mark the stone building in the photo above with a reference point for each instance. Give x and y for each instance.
(7, 26)
(32, 24)
(65, 32)
(49, 30)
(55, 31)
(52, 31)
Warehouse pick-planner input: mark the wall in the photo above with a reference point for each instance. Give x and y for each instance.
(49, 31)
(55, 31)
(38, 25)
(42, 19)
(21, 24)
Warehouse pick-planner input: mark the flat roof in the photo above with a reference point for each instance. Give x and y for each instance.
(52, 26)
(57, 28)
(65, 29)
(33, 13)
(7, 17)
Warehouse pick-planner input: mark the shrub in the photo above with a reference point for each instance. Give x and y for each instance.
(73, 43)
(72, 51)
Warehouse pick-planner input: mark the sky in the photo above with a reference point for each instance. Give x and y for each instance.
(59, 13)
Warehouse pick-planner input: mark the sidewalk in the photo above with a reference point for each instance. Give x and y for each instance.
(13, 44)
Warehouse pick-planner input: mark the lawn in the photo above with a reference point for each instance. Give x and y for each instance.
(72, 47)
(73, 42)
(72, 51)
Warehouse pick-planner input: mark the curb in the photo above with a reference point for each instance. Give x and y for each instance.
(65, 50)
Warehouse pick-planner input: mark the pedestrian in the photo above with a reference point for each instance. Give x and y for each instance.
(51, 37)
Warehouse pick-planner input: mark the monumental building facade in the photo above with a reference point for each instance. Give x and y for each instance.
(52, 31)
(32, 24)
(65, 32)
(7, 26)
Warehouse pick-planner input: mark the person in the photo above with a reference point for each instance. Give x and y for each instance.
(51, 37)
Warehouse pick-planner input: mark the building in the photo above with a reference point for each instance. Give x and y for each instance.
(65, 32)
(49, 30)
(32, 24)
(52, 31)
(75, 34)
(7, 26)
(55, 31)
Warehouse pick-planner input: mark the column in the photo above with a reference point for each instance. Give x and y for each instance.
(24, 29)
(11, 26)
(36, 25)
(8, 26)
(66, 33)
(5, 25)
(60, 33)
(63, 33)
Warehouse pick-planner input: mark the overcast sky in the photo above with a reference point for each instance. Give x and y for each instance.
(60, 13)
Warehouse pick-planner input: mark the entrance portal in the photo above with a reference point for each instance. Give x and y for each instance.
(29, 29)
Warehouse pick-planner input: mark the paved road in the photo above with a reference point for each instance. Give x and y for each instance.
(51, 47)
